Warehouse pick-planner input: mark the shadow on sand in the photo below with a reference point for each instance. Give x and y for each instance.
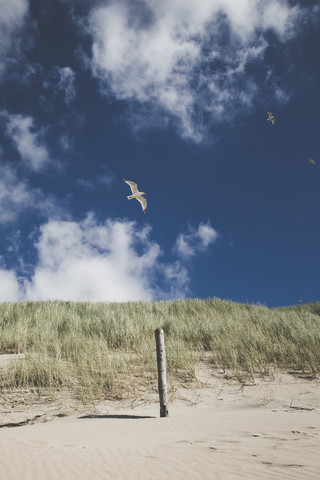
(130, 417)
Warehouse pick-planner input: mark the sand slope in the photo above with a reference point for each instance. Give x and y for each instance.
(264, 430)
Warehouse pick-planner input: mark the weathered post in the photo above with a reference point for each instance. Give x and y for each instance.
(162, 378)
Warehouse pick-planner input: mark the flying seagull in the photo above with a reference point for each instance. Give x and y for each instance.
(271, 117)
(136, 194)
(312, 161)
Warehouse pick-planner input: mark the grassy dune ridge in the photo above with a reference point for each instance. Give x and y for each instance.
(107, 350)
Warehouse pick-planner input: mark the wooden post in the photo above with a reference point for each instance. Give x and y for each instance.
(162, 380)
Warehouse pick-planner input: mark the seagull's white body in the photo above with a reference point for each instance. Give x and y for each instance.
(271, 117)
(136, 194)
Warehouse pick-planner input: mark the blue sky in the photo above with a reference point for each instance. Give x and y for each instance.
(174, 96)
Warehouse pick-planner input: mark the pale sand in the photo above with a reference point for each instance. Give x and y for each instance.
(265, 430)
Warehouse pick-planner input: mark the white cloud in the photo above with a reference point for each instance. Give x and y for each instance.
(29, 143)
(280, 17)
(101, 261)
(188, 244)
(177, 281)
(12, 17)
(31, 72)
(16, 196)
(188, 59)
(65, 142)
(111, 261)
(66, 83)
(61, 80)
(9, 286)
(206, 234)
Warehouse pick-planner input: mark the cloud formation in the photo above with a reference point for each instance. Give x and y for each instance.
(188, 59)
(61, 80)
(88, 260)
(102, 261)
(10, 288)
(28, 141)
(12, 18)
(16, 196)
(188, 244)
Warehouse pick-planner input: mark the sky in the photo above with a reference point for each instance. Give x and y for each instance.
(173, 95)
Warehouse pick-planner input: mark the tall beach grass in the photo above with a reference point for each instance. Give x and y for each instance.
(107, 350)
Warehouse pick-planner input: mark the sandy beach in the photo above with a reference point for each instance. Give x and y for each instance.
(264, 429)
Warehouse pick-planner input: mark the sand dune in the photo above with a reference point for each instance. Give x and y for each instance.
(262, 430)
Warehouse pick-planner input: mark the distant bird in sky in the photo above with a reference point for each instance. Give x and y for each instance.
(312, 161)
(136, 194)
(271, 117)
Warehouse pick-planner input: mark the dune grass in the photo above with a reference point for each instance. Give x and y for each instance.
(107, 350)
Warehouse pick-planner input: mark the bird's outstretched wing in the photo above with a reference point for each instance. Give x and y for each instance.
(133, 186)
(143, 202)
(271, 117)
